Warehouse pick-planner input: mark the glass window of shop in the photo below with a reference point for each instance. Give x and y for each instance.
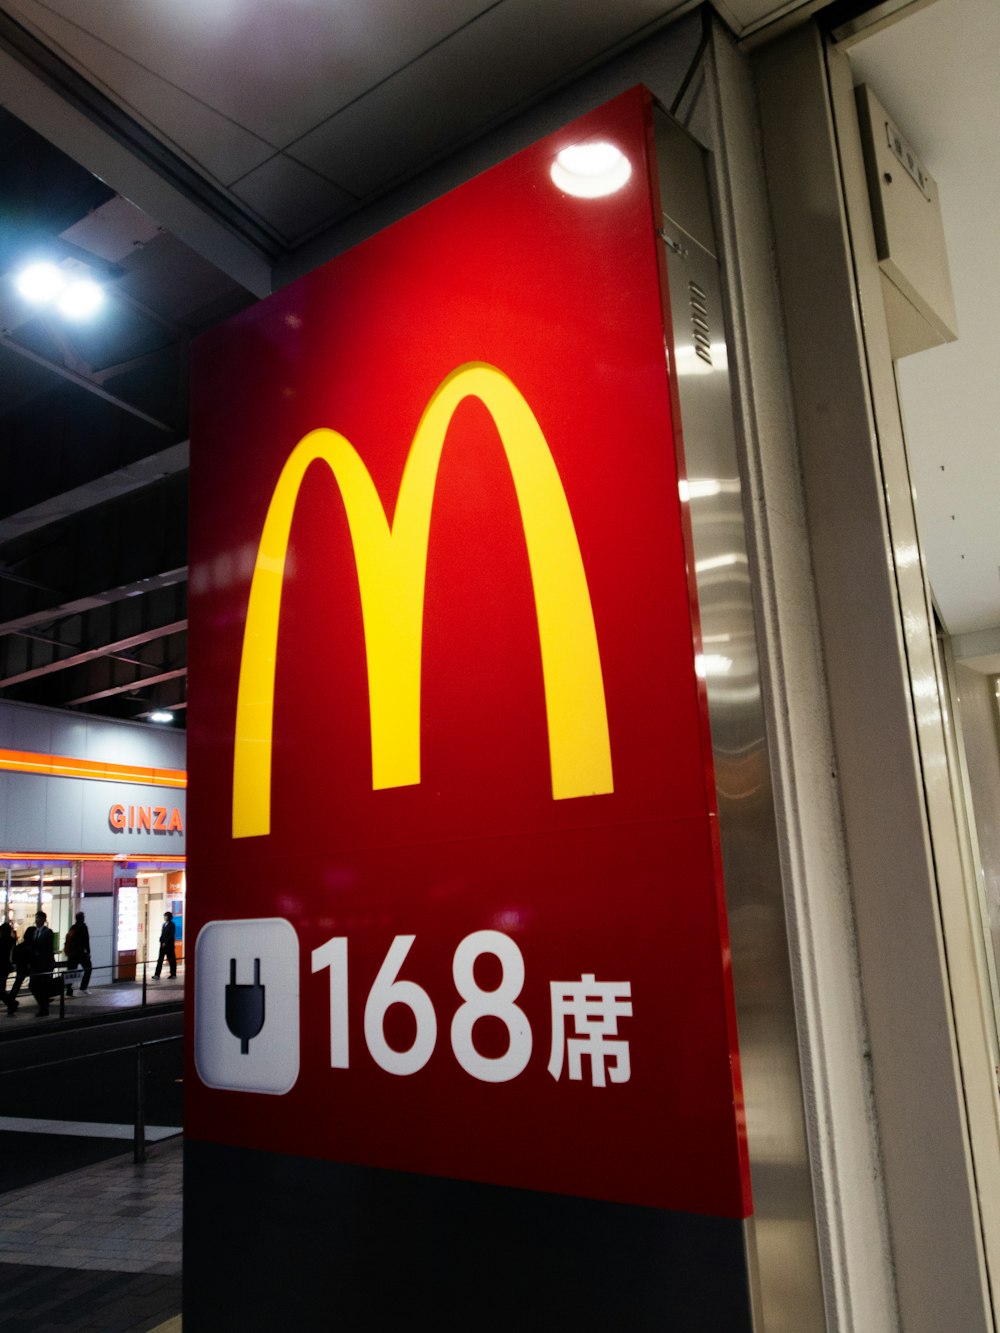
(27, 888)
(158, 889)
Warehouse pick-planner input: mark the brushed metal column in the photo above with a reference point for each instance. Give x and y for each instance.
(781, 1236)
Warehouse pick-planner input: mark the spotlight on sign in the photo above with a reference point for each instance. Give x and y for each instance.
(590, 170)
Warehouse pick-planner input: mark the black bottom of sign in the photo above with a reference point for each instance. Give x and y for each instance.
(278, 1243)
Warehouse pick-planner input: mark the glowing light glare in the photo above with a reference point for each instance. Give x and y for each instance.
(590, 170)
(80, 299)
(907, 554)
(704, 488)
(161, 716)
(40, 283)
(712, 664)
(718, 562)
(45, 283)
(925, 687)
(690, 362)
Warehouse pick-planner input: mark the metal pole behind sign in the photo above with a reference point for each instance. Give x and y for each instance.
(139, 1135)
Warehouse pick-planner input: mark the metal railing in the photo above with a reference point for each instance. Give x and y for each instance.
(59, 973)
(139, 1131)
(140, 1048)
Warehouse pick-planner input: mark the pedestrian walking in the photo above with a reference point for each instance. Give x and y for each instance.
(168, 936)
(21, 957)
(77, 950)
(8, 939)
(41, 944)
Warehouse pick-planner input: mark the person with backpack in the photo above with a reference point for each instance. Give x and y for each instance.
(77, 951)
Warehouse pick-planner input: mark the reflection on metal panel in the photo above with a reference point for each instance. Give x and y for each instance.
(782, 1234)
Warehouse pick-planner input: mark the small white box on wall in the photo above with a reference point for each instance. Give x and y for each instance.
(909, 234)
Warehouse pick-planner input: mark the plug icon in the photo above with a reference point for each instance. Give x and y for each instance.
(244, 1006)
(264, 1057)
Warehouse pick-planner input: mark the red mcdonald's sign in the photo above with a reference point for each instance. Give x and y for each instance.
(443, 694)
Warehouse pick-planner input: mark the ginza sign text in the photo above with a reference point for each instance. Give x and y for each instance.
(145, 819)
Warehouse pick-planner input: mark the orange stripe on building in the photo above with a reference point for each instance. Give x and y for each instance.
(129, 858)
(63, 766)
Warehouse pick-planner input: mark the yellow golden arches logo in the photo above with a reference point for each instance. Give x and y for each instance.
(391, 563)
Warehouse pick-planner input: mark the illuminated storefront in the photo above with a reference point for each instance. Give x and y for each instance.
(95, 822)
(27, 887)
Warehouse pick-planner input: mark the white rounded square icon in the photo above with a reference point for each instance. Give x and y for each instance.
(246, 995)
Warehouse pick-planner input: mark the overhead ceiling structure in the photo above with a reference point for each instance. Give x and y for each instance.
(93, 434)
(185, 155)
(191, 157)
(278, 118)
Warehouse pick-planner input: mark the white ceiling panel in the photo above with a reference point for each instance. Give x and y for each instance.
(745, 15)
(172, 279)
(461, 85)
(113, 231)
(16, 85)
(223, 149)
(290, 197)
(274, 67)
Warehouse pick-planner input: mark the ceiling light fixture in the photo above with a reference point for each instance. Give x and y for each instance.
(40, 283)
(161, 715)
(80, 299)
(75, 296)
(590, 170)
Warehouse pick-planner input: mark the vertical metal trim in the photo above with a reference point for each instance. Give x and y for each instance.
(968, 836)
(966, 983)
(781, 1237)
(932, 1212)
(847, 1179)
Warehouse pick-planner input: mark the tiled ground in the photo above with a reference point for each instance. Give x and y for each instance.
(96, 1250)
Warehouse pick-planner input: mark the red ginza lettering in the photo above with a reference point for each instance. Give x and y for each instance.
(145, 818)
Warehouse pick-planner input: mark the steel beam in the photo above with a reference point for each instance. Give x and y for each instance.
(85, 382)
(94, 600)
(99, 490)
(134, 685)
(105, 650)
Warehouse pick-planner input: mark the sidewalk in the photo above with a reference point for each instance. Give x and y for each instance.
(120, 1000)
(96, 1250)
